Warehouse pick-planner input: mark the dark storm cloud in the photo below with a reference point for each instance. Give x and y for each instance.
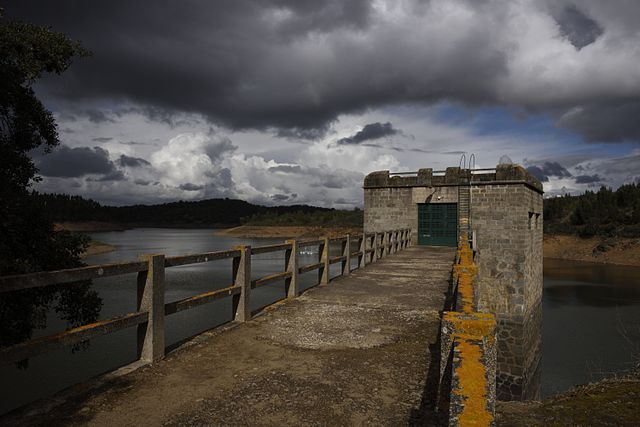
(301, 133)
(132, 162)
(292, 67)
(66, 162)
(97, 116)
(579, 28)
(548, 169)
(588, 179)
(102, 139)
(239, 62)
(607, 121)
(191, 187)
(279, 197)
(369, 132)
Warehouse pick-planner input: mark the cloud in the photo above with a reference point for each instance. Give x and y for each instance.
(193, 162)
(102, 139)
(605, 121)
(97, 116)
(588, 179)
(115, 175)
(280, 197)
(548, 169)
(75, 162)
(369, 132)
(216, 150)
(579, 28)
(134, 143)
(293, 169)
(132, 162)
(293, 68)
(190, 187)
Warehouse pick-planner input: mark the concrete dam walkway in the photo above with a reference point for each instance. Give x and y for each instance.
(355, 351)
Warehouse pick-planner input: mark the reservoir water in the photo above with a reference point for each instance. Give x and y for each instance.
(591, 322)
(591, 313)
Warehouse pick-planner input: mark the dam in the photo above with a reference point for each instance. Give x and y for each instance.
(378, 344)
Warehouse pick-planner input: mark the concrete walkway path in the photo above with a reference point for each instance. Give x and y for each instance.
(354, 352)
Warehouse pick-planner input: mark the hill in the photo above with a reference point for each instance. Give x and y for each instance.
(217, 213)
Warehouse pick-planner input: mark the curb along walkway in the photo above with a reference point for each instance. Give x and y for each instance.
(355, 351)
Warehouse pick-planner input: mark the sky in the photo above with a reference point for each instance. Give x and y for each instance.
(295, 101)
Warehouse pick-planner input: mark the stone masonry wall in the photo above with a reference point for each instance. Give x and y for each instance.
(386, 206)
(508, 224)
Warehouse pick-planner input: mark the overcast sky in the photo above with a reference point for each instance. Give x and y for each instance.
(294, 101)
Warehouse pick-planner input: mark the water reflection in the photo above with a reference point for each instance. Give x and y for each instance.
(54, 371)
(591, 322)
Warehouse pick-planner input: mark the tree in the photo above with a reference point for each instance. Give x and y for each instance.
(28, 242)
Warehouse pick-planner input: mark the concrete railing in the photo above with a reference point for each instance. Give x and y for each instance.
(152, 309)
(468, 351)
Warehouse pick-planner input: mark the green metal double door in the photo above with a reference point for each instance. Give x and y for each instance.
(438, 224)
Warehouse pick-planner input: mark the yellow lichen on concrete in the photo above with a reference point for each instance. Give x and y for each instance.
(472, 331)
(478, 325)
(465, 291)
(465, 272)
(472, 383)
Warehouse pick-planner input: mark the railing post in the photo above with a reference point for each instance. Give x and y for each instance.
(242, 277)
(402, 233)
(374, 255)
(151, 300)
(346, 252)
(323, 272)
(395, 241)
(291, 264)
(362, 260)
(385, 244)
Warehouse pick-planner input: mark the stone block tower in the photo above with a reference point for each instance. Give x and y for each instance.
(502, 209)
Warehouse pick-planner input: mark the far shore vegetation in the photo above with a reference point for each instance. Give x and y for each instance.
(604, 213)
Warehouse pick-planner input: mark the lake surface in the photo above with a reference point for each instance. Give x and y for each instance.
(591, 313)
(591, 322)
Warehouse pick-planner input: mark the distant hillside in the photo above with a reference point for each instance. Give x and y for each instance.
(203, 213)
(601, 213)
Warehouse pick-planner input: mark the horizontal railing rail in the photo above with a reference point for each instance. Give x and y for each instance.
(151, 311)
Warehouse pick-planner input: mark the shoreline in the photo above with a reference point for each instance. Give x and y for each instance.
(275, 231)
(96, 248)
(611, 401)
(602, 250)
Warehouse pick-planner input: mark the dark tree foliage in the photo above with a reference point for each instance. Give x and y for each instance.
(202, 213)
(330, 218)
(28, 242)
(605, 212)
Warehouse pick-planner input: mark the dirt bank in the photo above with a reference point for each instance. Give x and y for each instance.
(612, 402)
(252, 231)
(87, 226)
(96, 248)
(622, 251)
